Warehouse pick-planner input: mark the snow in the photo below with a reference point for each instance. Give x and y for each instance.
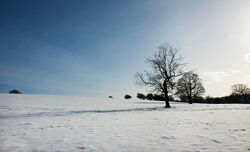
(64, 123)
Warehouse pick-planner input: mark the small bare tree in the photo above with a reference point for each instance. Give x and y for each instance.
(190, 86)
(240, 89)
(166, 67)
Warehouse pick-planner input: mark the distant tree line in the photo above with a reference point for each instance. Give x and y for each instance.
(226, 99)
(150, 96)
(240, 94)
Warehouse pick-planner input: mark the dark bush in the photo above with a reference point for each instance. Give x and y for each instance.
(150, 96)
(15, 92)
(127, 96)
(158, 97)
(141, 96)
(194, 99)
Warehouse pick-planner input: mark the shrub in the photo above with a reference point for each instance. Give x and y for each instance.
(158, 97)
(141, 96)
(150, 96)
(15, 92)
(127, 96)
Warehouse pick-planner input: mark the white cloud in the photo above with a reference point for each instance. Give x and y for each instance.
(235, 71)
(247, 57)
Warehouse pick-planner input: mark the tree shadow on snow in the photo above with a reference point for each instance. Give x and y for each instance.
(66, 113)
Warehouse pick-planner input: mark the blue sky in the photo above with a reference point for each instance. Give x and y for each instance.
(94, 48)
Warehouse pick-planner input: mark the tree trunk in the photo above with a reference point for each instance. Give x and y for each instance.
(166, 95)
(190, 95)
(190, 100)
(167, 104)
(167, 101)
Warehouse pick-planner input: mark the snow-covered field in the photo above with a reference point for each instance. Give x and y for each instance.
(63, 123)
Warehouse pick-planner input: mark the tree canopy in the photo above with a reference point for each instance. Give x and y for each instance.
(189, 86)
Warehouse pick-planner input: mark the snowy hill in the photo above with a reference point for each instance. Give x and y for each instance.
(64, 123)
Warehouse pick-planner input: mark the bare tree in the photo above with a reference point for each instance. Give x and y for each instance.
(190, 86)
(166, 67)
(241, 89)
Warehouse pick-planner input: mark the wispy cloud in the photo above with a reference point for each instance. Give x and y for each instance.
(214, 76)
(235, 71)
